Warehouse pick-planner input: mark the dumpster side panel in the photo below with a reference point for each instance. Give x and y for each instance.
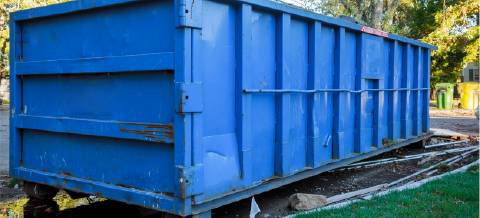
(407, 97)
(383, 119)
(417, 95)
(349, 66)
(221, 162)
(263, 106)
(327, 63)
(298, 101)
(426, 93)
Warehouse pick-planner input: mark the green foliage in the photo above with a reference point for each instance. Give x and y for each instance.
(6, 7)
(457, 40)
(14, 182)
(454, 195)
(373, 13)
(388, 142)
(416, 18)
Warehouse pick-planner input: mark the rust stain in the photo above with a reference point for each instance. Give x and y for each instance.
(99, 194)
(157, 132)
(191, 9)
(180, 102)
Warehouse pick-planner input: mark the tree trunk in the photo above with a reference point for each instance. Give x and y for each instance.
(377, 14)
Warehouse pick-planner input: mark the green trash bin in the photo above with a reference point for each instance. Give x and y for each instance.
(444, 95)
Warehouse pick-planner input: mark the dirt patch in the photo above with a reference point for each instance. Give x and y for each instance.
(464, 125)
(451, 113)
(8, 193)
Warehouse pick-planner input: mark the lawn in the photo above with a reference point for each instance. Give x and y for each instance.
(454, 195)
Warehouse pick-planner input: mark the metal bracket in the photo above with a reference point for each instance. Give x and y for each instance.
(189, 14)
(189, 97)
(191, 180)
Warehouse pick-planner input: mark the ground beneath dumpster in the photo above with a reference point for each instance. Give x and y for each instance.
(274, 203)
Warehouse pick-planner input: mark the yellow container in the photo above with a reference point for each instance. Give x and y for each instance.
(469, 95)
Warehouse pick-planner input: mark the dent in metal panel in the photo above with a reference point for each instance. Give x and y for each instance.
(221, 163)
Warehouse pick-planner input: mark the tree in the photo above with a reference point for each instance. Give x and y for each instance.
(457, 41)
(378, 14)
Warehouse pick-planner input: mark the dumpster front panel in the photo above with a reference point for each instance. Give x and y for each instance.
(132, 29)
(93, 100)
(126, 163)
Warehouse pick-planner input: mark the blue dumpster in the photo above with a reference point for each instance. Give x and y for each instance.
(185, 106)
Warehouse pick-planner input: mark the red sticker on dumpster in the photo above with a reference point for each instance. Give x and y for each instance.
(374, 31)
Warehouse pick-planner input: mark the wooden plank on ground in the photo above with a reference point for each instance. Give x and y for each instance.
(355, 193)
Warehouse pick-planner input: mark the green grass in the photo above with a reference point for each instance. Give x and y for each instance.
(14, 182)
(454, 195)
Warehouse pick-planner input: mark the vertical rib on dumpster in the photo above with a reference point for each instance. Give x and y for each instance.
(315, 112)
(282, 104)
(407, 80)
(426, 93)
(417, 95)
(197, 118)
(339, 102)
(394, 82)
(243, 101)
(183, 121)
(15, 96)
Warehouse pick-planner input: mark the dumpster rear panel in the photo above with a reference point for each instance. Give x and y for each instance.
(184, 106)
